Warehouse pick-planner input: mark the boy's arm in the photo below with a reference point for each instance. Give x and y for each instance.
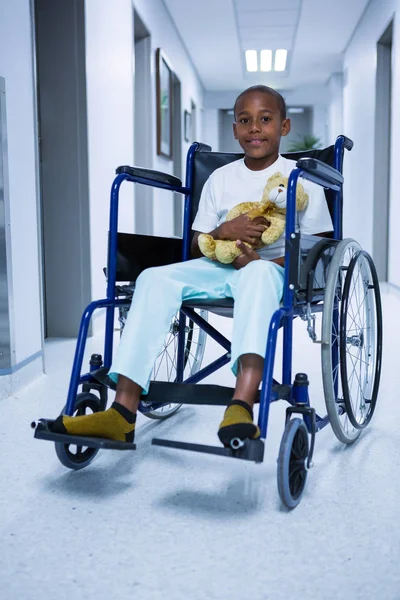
(249, 255)
(241, 228)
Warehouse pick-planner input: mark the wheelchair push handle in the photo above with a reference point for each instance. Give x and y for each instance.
(200, 147)
(347, 142)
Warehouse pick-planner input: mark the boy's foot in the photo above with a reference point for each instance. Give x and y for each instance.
(238, 423)
(116, 423)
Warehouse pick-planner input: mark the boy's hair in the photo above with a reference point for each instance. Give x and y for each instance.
(264, 89)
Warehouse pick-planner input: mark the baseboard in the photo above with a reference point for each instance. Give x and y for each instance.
(389, 288)
(16, 378)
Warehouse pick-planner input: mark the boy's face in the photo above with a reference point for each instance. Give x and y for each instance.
(258, 129)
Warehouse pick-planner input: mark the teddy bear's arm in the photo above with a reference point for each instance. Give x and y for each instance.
(240, 209)
(275, 230)
(206, 245)
(301, 197)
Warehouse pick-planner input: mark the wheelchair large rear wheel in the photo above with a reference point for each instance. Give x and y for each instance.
(165, 364)
(361, 339)
(351, 340)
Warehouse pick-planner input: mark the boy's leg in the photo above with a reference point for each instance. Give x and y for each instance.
(158, 295)
(257, 295)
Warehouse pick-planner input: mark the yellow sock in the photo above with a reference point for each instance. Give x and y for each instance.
(237, 423)
(116, 423)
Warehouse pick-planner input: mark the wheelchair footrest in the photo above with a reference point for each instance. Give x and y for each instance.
(42, 432)
(252, 450)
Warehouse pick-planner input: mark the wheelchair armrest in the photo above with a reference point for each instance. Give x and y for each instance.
(151, 176)
(320, 172)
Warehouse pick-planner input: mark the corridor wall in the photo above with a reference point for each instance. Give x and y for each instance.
(359, 81)
(165, 35)
(109, 82)
(110, 89)
(22, 228)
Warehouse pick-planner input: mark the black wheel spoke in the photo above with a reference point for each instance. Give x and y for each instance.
(166, 365)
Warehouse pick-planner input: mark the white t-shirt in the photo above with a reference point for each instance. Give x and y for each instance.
(234, 183)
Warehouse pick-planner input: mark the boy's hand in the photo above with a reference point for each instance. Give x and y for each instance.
(247, 256)
(243, 228)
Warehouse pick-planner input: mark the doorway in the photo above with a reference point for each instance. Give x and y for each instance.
(142, 124)
(227, 142)
(383, 127)
(63, 163)
(301, 126)
(193, 122)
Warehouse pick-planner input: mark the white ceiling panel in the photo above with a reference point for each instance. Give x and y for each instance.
(327, 25)
(254, 5)
(216, 33)
(269, 18)
(265, 33)
(252, 44)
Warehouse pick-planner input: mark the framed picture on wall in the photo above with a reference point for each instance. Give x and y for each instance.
(187, 125)
(164, 104)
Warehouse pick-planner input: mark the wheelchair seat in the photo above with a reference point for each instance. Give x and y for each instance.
(222, 307)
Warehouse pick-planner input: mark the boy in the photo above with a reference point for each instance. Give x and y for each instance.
(254, 280)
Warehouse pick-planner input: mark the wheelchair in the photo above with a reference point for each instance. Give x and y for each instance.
(328, 275)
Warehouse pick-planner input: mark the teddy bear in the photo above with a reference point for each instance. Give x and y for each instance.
(272, 207)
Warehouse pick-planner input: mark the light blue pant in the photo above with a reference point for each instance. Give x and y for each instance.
(256, 289)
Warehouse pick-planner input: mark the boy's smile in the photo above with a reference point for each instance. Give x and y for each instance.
(258, 128)
(255, 142)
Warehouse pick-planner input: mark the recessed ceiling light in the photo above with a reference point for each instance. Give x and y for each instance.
(294, 110)
(266, 60)
(251, 60)
(280, 60)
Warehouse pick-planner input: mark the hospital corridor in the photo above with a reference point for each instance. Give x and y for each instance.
(200, 299)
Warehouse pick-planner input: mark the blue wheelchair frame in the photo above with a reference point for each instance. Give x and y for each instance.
(314, 171)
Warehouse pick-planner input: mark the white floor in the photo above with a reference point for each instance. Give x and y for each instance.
(168, 524)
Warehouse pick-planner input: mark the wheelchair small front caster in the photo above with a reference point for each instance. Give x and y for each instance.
(73, 456)
(292, 462)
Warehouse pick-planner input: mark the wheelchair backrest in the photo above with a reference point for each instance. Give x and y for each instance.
(138, 252)
(205, 162)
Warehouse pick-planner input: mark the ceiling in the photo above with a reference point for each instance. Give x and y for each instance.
(216, 33)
